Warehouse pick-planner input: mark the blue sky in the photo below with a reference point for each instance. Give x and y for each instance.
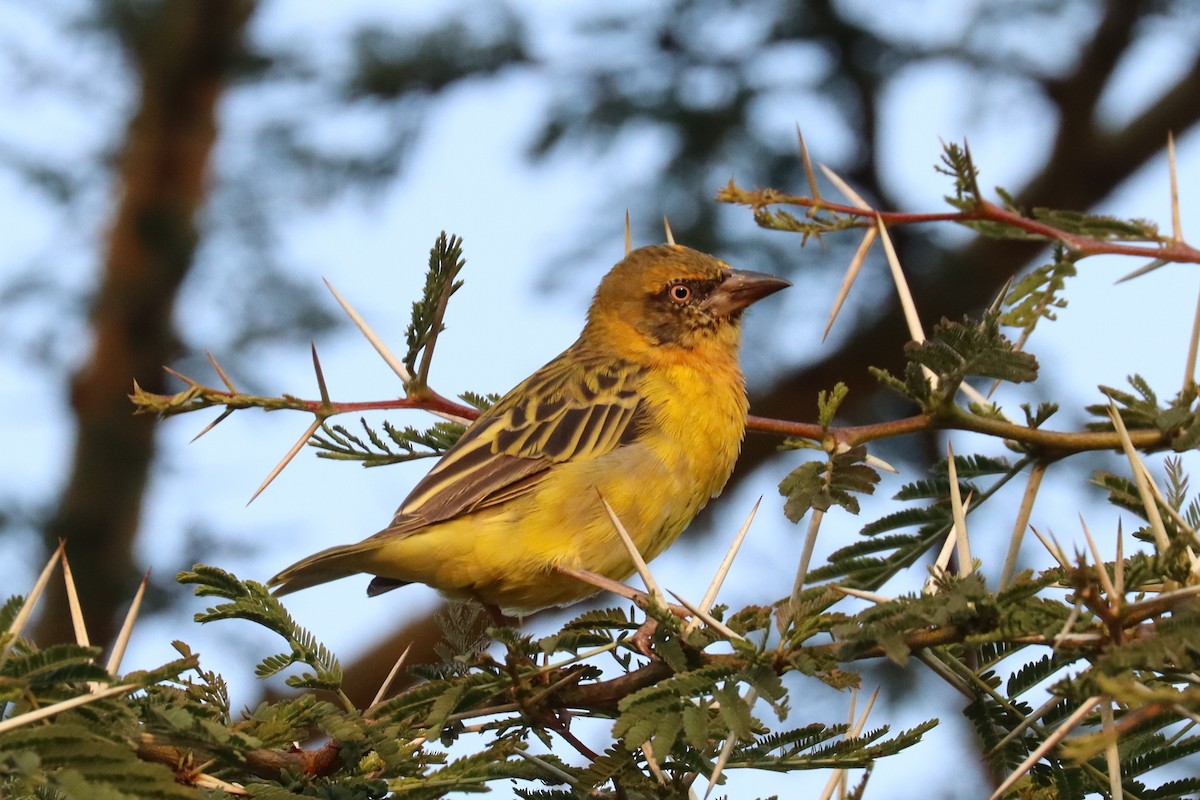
(502, 325)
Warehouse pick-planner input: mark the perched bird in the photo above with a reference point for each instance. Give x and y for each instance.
(646, 409)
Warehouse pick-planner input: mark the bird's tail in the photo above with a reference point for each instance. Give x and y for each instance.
(327, 565)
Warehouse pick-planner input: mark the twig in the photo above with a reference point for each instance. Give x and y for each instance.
(983, 211)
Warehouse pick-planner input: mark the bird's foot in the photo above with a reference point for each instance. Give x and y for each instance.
(643, 636)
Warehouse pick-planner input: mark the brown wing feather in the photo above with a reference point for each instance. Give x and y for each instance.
(572, 408)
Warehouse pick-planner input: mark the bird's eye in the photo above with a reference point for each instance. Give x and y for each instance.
(680, 293)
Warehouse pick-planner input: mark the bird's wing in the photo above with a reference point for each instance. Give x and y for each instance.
(573, 408)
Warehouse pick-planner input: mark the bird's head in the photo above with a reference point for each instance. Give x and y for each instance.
(675, 297)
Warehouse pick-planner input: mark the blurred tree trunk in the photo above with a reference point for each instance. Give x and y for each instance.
(182, 54)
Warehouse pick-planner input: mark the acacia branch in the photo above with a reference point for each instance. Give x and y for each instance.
(984, 211)
(1050, 444)
(198, 397)
(262, 762)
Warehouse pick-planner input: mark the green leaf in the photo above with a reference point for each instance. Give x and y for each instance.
(401, 444)
(957, 163)
(956, 351)
(445, 262)
(39, 670)
(251, 601)
(822, 485)
(1177, 420)
(828, 403)
(1099, 226)
(1037, 295)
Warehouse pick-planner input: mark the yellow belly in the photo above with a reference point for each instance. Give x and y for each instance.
(507, 555)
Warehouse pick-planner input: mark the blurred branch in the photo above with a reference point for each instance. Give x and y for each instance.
(1085, 165)
(183, 61)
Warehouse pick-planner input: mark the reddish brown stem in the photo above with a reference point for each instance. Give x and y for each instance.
(984, 211)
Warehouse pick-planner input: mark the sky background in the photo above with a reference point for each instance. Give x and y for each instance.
(467, 175)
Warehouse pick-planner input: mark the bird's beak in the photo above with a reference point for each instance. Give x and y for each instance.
(740, 288)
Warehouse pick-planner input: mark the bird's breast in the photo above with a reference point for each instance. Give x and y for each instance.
(699, 411)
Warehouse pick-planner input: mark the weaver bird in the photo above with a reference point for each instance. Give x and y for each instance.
(646, 410)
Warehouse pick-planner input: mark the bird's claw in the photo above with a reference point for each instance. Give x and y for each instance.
(641, 638)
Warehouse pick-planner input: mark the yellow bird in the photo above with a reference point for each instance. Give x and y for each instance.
(646, 409)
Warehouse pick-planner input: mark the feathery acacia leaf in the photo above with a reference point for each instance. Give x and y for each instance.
(956, 351)
(445, 262)
(822, 485)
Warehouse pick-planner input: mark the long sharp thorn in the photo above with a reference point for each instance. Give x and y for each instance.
(710, 595)
(39, 586)
(287, 459)
(860, 255)
(839, 776)
(122, 641)
(915, 331)
(652, 762)
(384, 352)
(220, 418)
(938, 567)
(203, 781)
(939, 668)
(12, 723)
(1051, 547)
(1101, 572)
(559, 774)
(1145, 270)
(391, 676)
(879, 463)
(1069, 625)
(960, 518)
(1039, 712)
(321, 386)
(1111, 755)
(599, 581)
(77, 623)
(706, 618)
(872, 597)
(810, 543)
(726, 750)
(998, 302)
(1026, 510)
(809, 174)
(176, 374)
(221, 372)
(638, 562)
(844, 188)
(1052, 741)
(973, 394)
(1189, 367)
(862, 720)
(1141, 478)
